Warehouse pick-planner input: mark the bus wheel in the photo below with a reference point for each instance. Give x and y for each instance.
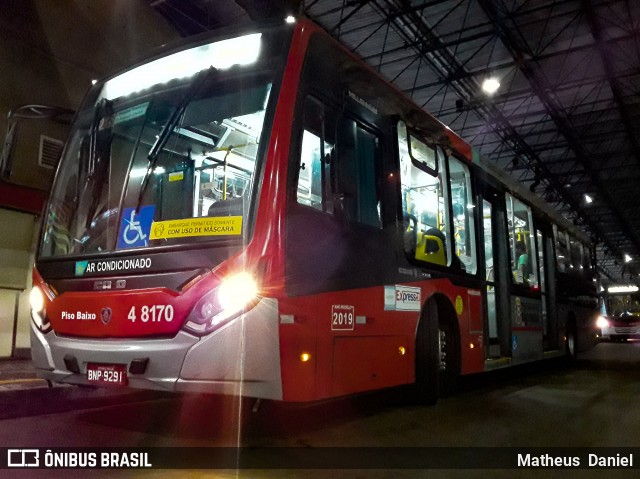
(425, 388)
(572, 340)
(449, 358)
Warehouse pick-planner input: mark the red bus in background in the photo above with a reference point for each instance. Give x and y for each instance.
(620, 313)
(259, 213)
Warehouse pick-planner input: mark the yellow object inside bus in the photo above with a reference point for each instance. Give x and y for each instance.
(430, 248)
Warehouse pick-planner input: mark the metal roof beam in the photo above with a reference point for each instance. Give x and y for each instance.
(444, 62)
(520, 53)
(616, 90)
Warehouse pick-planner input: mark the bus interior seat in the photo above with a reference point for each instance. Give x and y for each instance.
(431, 247)
(231, 207)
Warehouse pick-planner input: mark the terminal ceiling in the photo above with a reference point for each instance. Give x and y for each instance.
(565, 121)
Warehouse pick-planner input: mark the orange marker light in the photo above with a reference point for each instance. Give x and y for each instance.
(304, 357)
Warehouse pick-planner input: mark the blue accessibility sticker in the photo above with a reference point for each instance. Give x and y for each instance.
(135, 227)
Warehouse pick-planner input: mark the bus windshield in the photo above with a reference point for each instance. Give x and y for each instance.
(172, 164)
(620, 305)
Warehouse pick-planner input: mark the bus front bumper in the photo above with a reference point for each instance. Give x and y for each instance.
(241, 358)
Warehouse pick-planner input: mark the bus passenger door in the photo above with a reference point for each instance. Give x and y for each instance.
(497, 324)
(526, 306)
(546, 262)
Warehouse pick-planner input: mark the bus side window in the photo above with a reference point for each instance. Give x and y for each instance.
(425, 203)
(358, 173)
(563, 254)
(586, 259)
(576, 253)
(524, 259)
(339, 165)
(463, 209)
(540, 244)
(315, 159)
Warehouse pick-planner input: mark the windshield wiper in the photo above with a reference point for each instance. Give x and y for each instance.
(154, 153)
(98, 150)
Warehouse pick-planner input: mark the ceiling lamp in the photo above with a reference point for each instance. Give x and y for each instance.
(632, 288)
(490, 85)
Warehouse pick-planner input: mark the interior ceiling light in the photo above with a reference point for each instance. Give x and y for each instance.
(221, 55)
(588, 199)
(490, 85)
(627, 258)
(632, 288)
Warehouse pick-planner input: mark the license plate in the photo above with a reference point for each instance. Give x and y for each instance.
(107, 374)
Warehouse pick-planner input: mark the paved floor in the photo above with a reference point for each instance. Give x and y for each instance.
(19, 374)
(592, 404)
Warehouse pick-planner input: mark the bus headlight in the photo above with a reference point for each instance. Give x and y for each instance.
(36, 299)
(602, 322)
(38, 313)
(237, 291)
(228, 300)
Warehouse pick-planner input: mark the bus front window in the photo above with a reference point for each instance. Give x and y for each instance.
(114, 191)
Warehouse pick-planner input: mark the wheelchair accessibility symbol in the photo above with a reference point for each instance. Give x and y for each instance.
(133, 232)
(135, 227)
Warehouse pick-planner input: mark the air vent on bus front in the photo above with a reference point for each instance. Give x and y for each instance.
(50, 151)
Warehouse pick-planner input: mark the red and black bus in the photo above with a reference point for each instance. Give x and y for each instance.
(620, 313)
(260, 213)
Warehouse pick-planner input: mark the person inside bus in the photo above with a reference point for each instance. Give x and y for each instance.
(522, 271)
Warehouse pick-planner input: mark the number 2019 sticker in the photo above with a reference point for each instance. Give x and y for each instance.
(343, 317)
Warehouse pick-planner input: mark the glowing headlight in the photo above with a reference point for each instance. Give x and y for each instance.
(602, 322)
(229, 299)
(237, 291)
(36, 299)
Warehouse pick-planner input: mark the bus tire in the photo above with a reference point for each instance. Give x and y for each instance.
(449, 356)
(571, 344)
(425, 387)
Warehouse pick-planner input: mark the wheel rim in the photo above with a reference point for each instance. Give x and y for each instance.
(571, 343)
(448, 359)
(442, 350)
